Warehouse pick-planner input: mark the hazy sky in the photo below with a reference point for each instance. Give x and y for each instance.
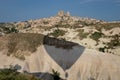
(21, 10)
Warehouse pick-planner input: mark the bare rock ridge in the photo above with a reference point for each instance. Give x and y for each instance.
(36, 53)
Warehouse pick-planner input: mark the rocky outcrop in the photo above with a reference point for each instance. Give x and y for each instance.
(77, 29)
(76, 63)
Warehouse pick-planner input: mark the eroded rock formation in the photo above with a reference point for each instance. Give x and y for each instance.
(75, 63)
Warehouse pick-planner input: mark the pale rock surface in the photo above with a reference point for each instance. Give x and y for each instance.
(90, 65)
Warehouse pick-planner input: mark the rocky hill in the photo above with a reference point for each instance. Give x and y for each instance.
(91, 33)
(38, 55)
(78, 48)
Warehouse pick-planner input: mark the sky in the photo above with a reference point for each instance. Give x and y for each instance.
(22, 10)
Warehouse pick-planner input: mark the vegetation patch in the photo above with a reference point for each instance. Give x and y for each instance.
(107, 26)
(115, 42)
(12, 74)
(102, 49)
(7, 28)
(56, 75)
(21, 42)
(81, 34)
(57, 33)
(63, 24)
(96, 35)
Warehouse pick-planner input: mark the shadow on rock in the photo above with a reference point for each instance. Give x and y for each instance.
(64, 53)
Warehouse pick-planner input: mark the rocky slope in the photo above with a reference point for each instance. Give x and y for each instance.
(71, 60)
(75, 47)
(91, 33)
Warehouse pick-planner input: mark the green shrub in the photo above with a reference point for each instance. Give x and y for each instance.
(11, 74)
(56, 75)
(8, 28)
(114, 42)
(102, 49)
(96, 35)
(13, 30)
(58, 33)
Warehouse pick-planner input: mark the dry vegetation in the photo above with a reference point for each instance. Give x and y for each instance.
(106, 26)
(82, 34)
(57, 33)
(12, 74)
(21, 42)
(18, 43)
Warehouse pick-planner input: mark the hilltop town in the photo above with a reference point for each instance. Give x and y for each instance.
(91, 33)
(61, 47)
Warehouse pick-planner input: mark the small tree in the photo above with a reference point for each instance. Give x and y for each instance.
(56, 75)
(102, 49)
